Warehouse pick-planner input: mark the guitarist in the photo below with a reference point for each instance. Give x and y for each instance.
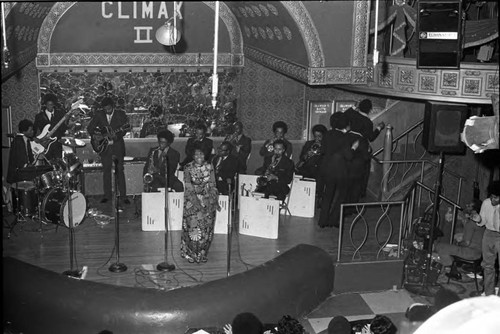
(50, 116)
(111, 119)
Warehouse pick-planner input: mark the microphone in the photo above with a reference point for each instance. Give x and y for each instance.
(229, 181)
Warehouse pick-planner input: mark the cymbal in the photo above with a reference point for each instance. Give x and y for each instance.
(72, 142)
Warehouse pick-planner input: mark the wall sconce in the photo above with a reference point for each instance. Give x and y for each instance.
(168, 34)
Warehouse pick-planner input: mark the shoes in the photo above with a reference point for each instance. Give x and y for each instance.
(126, 201)
(104, 200)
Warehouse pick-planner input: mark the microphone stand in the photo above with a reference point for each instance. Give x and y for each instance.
(229, 226)
(165, 265)
(117, 267)
(72, 254)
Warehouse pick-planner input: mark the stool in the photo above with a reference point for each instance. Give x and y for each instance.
(476, 266)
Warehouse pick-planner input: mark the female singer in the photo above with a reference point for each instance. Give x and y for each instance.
(200, 203)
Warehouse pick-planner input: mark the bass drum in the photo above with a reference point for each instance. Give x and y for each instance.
(55, 205)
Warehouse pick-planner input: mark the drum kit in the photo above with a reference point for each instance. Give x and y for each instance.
(49, 193)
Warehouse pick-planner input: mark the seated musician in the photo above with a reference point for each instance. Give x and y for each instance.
(226, 166)
(311, 154)
(161, 161)
(242, 146)
(278, 173)
(279, 130)
(207, 144)
(20, 154)
(46, 120)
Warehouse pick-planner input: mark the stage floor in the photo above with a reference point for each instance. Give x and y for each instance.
(47, 246)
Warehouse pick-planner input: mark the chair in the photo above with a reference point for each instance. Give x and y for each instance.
(475, 264)
(284, 203)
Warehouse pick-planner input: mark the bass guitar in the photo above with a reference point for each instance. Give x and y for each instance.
(102, 138)
(45, 139)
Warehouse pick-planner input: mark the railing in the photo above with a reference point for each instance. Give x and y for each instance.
(365, 246)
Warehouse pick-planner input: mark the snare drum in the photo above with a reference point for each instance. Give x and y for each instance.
(51, 180)
(25, 198)
(55, 205)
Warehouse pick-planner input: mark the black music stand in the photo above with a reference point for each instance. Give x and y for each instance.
(72, 253)
(425, 289)
(165, 265)
(117, 267)
(229, 226)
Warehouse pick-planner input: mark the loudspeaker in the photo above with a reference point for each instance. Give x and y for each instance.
(443, 124)
(439, 31)
(92, 179)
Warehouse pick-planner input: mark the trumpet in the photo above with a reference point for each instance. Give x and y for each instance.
(147, 178)
(270, 146)
(314, 150)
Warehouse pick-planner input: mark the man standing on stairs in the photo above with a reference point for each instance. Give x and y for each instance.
(490, 218)
(362, 124)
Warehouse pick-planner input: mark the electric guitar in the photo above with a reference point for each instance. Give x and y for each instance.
(102, 138)
(45, 139)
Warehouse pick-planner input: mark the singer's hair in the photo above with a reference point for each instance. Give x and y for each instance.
(24, 125)
(166, 134)
(280, 124)
(107, 101)
(198, 146)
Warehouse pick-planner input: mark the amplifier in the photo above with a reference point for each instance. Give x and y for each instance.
(92, 179)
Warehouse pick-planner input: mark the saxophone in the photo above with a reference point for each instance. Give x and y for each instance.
(148, 177)
(263, 180)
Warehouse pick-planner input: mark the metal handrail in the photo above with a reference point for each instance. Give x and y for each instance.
(401, 135)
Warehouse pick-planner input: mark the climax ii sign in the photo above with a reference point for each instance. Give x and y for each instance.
(139, 10)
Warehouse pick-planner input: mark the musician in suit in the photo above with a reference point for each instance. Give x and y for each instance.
(242, 146)
(20, 154)
(279, 130)
(362, 124)
(161, 161)
(106, 123)
(278, 173)
(311, 154)
(207, 144)
(226, 166)
(50, 115)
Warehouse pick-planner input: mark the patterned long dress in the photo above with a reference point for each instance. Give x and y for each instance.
(200, 205)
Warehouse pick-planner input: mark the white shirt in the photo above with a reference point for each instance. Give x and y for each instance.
(110, 116)
(490, 216)
(49, 114)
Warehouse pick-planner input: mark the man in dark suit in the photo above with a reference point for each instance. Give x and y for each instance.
(207, 145)
(163, 160)
(312, 154)
(242, 146)
(278, 171)
(50, 116)
(362, 124)
(20, 153)
(280, 129)
(113, 124)
(226, 166)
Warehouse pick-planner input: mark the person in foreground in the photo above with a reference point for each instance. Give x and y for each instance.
(490, 218)
(200, 205)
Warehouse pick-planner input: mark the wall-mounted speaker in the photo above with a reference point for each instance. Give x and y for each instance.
(443, 124)
(439, 31)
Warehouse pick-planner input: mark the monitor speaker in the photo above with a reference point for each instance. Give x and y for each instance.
(443, 124)
(439, 31)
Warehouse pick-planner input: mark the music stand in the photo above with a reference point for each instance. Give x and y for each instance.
(229, 226)
(117, 267)
(424, 289)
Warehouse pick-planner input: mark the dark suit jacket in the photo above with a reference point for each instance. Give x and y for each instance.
(246, 147)
(284, 170)
(119, 119)
(18, 157)
(173, 158)
(207, 146)
(362, 124)
(228, 168)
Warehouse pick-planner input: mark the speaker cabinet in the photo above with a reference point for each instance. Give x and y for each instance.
(92, 179)
(443, 123)
(439, 29)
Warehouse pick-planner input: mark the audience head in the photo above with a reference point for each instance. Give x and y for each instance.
(247, 323)
(280, 129)
(365, 106)
(419, 312)
(382, 325)
(339, 325)
(289, 325)
(339, 120)
(24, 126)
(494, 192)
(167, 135)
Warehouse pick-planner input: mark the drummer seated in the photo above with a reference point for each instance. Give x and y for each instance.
(20, 154)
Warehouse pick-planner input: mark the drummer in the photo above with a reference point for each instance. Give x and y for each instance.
(20, 154)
